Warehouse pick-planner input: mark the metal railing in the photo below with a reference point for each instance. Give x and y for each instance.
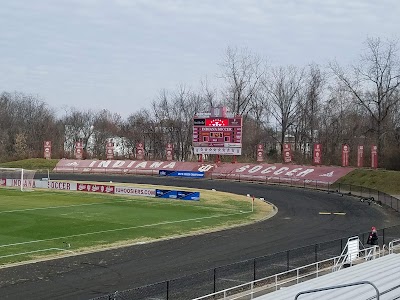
(394, 245)
(224, 277)
(288, 278)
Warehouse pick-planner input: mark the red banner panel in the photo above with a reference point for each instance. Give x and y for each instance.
(78, 150)
(110, 150)
(280, 172)
(262, 172)
(345, 155)
(360, 156)
(287, 153)
(169, 151)
(3, 182)
(139, 151)
(97, 188)
(260, 153)
(317, 154)
(374, 156)
(47, 149)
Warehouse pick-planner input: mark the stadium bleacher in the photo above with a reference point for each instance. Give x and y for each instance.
(357, 274)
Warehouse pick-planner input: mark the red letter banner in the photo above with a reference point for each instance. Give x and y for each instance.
(317, 154)
(47, 149)
(374, 156)
(345, 155)
(110, 150)
(260, 153)
(287, 153)
(169, 151)
(139, 151)
(360, 156)
(78, 150)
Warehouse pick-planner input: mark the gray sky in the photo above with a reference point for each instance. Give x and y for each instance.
(118, 54)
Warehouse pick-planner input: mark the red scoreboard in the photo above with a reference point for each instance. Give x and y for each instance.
(217, 135)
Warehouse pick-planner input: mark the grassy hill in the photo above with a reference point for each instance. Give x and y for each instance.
(32, 163)
(382, 180)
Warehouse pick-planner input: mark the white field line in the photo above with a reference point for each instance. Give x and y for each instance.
(30, 252)
(107, 202)
(53, 207)
(124, 228)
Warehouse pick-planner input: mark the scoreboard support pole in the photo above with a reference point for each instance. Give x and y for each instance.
(217, 158)
(234, 159)
(200, 158)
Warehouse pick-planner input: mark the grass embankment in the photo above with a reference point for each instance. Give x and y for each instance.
(381, 180)
(43, 224)
(32, 164)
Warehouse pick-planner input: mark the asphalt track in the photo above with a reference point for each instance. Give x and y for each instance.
(297, 223)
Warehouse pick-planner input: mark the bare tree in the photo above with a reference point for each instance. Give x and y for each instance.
(283, 88)
(243, 73)
(373, 83)
(78, 127)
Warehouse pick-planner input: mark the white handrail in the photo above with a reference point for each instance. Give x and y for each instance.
(393, 244)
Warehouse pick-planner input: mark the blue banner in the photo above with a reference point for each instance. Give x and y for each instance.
(190, 174)
(181, 195)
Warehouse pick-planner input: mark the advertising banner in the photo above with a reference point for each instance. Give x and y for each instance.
(134, 191)
(360, 156)
(110, 150)
(78, 150)
(374, 156)
(139, 151)
(47, 149)
(181, 195)
(260, 153)
(190, 174)
(169, 151)
(96, 188)
(287, 153)
(317, 154)
(345, 155)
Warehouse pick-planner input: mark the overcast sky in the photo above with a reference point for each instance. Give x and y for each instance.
(118, 54)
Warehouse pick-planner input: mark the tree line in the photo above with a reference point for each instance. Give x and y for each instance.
(331, 105)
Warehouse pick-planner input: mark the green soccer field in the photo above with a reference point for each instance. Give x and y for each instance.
(42, 224)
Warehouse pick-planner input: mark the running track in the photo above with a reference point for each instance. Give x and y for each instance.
(296, 224)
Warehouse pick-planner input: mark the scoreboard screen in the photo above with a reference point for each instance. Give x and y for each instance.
(217, 135)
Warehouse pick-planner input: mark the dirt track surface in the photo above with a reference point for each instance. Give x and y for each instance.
(296, 224)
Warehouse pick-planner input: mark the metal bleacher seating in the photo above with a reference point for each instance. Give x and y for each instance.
(383, 272)
(357, 274)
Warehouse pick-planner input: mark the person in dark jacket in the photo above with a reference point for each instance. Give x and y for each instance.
(373, 237)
